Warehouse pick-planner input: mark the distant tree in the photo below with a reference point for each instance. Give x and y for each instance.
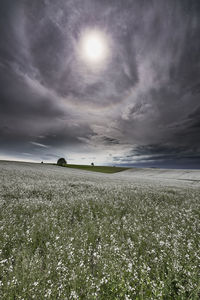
(61, 162)
(92, 164)
(41, 162)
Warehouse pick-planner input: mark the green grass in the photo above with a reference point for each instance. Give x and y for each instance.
(73, 236)
(101, 169)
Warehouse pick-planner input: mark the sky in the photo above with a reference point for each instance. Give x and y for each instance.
(133, 100)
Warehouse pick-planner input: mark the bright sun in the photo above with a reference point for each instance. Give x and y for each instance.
(93, 47)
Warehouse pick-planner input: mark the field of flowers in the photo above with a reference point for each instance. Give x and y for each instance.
(66, 234)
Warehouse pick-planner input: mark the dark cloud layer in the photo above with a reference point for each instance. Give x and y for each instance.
(142, 107)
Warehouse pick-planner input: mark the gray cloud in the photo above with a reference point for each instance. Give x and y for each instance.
(142, 106)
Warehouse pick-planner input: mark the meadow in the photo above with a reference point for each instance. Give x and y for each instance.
(101, 169)
(72, 234)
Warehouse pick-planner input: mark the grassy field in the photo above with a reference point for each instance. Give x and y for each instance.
(101, 169)
(65, 235)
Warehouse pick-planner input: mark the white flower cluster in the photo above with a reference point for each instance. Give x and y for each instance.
(73, 235)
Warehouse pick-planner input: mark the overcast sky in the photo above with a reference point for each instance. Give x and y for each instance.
(140, 106)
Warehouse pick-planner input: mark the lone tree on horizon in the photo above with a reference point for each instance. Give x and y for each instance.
(61, 161)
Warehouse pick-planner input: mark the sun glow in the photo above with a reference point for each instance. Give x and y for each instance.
(94, 48)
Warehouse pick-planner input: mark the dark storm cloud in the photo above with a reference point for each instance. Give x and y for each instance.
(161, 155)
(109, 140)
(143, 104)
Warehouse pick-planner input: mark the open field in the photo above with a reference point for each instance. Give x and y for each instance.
(74, 234)
(101, 169)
